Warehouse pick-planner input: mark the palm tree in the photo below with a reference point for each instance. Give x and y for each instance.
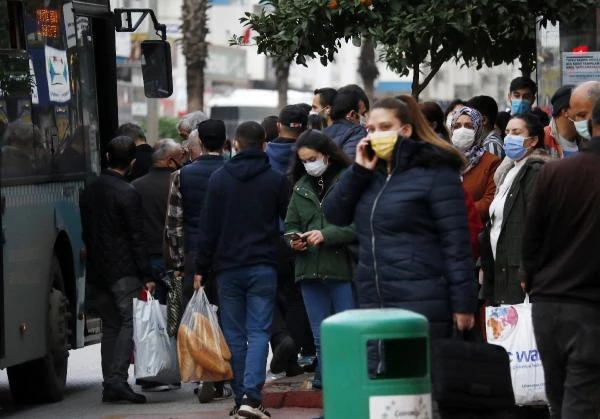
(195, 49)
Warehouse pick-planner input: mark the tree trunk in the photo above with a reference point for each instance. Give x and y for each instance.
(416, 87)
(367, 66)
(195, 88)
(282, 73)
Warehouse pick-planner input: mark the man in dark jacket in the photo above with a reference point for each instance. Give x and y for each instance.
(291, 330)
(118, 263)
(562, 276)
(346, 130)
(143, 151)
(239, 234)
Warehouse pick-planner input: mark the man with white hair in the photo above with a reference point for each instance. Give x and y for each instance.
(189, 122)
(581, 103)
(154, 190)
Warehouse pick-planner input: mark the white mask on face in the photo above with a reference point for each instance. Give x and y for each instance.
(315, 168)
(463, 138)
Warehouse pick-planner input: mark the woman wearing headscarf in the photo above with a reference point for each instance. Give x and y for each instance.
(478, 175)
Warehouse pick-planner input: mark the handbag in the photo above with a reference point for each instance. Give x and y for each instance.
(471, 375)
(174, 285)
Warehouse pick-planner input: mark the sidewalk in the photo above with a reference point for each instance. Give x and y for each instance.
(285, 413)
(292, 392)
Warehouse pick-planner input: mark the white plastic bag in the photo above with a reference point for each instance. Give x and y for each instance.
(511, 327)
(155, 352)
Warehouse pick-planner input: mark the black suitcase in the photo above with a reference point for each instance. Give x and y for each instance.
(471, 378)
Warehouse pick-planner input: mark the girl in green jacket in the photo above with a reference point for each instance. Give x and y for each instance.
(323, 264)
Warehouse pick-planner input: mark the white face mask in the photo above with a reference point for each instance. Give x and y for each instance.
(582, 129)
(463, 138)
(315, 168)
(363, 120)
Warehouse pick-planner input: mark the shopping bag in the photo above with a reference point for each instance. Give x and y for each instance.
(174, 285)
(201, 348)
(155, 354)
(511, 327)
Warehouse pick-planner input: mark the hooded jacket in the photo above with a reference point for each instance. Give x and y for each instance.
(281, 153)
(245, 201)
(414, 248)
(346, 135)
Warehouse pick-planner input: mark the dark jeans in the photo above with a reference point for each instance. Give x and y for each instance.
(158, 272)
(115, 306)
(247, 298)
(568, 339)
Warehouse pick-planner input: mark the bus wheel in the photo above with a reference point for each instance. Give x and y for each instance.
(43, 380)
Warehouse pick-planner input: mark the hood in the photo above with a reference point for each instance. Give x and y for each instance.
(247, 165)
(281, 153)
(411, 152)
(342, 128)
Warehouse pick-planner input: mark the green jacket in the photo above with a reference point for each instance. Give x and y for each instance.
(503, 286)
(329, 260)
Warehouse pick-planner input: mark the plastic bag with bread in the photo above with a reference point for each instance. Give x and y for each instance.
(201, 348)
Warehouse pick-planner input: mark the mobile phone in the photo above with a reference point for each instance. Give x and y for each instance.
(369, 150)
(292, 237)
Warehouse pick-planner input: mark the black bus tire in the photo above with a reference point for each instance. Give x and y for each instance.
(43, 380)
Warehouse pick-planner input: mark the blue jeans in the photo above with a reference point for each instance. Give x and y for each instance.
(247, 298)
(323, 299)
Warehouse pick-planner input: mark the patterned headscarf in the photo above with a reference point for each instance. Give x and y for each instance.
(473, 154)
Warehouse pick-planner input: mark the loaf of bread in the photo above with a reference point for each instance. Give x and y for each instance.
(186, 362)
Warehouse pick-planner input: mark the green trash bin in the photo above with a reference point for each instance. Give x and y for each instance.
(396, 384)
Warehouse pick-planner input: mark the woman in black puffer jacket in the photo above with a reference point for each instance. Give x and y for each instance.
(405, 197)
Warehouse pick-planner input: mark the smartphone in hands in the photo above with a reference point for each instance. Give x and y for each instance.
(289, 237)
(369, 151)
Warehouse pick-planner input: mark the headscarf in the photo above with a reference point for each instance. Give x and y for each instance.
(473, 154)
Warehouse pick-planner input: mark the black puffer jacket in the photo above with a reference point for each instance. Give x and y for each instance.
(414, 248)
(346, 135)
(111, 217)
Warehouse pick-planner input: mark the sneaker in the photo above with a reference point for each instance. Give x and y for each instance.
(206, 392)
(282, 354)
(252, 409)
(233, 413)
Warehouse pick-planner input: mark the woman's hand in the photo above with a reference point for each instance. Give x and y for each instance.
(464, 321)
(364, 154)
(313, 238)
(197, 282)
(298, 245)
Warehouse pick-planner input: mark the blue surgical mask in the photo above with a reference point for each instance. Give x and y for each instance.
(514, 147)
(582, 129)
(519, 107)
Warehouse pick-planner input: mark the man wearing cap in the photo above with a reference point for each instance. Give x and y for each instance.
(290, 329)
(560, 137)
(186, 199)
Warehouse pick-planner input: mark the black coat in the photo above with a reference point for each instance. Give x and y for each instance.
(346, 135)
(414, 248)
(113, 231)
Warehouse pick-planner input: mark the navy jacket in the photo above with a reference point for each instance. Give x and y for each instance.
(281, 153)
(346, 135)
(245, 200)
(193, 183)
(414, 248)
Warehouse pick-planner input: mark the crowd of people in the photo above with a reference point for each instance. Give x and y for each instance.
(349, 204)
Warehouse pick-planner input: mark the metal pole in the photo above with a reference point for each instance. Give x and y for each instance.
(152, 104)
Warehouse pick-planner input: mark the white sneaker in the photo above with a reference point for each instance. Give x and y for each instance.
(253, 412)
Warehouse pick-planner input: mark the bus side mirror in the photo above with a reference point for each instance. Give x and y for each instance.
(156, 69)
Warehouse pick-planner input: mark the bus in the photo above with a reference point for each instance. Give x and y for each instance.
(58, 110)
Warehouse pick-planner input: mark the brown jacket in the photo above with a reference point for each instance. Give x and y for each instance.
(479, 181)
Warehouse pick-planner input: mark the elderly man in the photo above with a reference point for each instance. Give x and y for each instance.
(189, 122)
(582, 101)
(561, 270)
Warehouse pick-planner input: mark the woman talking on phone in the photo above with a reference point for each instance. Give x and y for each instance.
(323, 265)
(405, 198)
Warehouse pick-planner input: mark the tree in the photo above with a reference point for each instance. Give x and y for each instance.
(195, 49)
(415, 37)
(282, 74)
(367, 66)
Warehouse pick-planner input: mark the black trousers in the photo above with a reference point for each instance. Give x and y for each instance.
(115, 306)
(568, 339)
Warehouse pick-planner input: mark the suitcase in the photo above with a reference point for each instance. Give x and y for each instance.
(471, 377)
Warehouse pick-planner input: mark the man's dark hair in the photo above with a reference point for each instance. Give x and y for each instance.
(326, 96)
(270, 126)
(121, 152)
(523, 83)
(212, 134)
(305, 107)
(345, 102)
(250, 135)
(362, 95)
(487, 106)
(133, 131)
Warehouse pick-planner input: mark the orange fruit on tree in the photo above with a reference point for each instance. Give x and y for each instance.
(332, 5)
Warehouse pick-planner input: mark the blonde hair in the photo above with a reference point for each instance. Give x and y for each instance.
(407, 110)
